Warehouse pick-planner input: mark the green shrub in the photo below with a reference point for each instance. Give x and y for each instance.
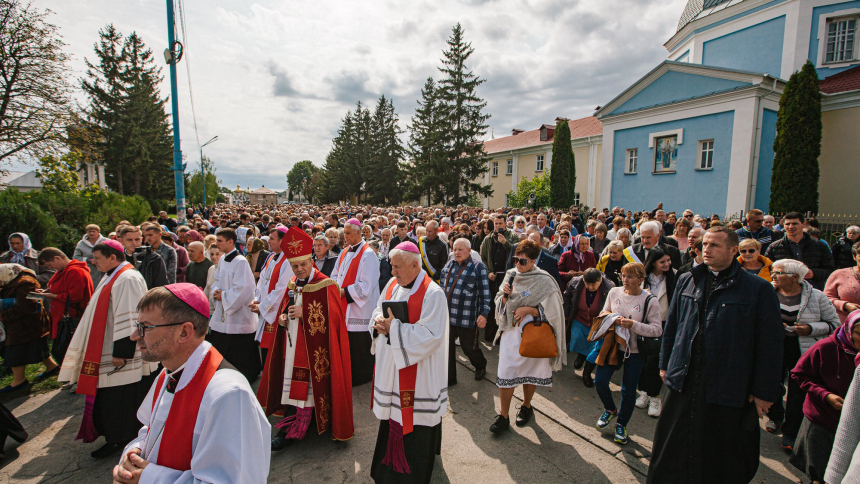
(19, 213)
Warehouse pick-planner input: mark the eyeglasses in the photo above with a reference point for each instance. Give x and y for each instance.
(778, 273)
(688, 216)
(141, 328)
(521, 262)
(748, 251)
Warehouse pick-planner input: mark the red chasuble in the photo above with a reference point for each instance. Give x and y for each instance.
(175, 451)
(269, 329)
(321, 359)
(407, 377)
(351, 272)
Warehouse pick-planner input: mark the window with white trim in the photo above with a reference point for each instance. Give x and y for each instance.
(576, 199)
(539, 163)
(631, 160)
(706, 155)
(507, 199)
(841, 41)
(510, 168)
(495, 171)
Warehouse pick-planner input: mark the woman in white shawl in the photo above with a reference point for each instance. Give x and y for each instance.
(534, 295)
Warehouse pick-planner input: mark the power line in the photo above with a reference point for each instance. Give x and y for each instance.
(181, 8)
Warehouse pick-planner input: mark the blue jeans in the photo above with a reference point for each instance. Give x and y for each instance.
(632, 370)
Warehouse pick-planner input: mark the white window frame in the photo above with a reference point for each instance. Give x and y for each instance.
(509, 170)
(824, 22)
(705, 148)
(507, 199)
(847, 36)
(495, 168)
(576, 199)
(631, 155)
(539, 163)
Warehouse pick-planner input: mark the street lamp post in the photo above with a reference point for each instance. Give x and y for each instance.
(203, 168)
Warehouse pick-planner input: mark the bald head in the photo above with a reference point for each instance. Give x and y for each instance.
(195, 252)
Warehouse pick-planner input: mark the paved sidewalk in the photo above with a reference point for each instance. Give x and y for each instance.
(561, 445)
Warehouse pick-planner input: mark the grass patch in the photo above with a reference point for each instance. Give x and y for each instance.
(31, 372)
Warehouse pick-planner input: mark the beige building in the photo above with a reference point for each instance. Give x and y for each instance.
(263, 196)
(529, 153)
(839, 161)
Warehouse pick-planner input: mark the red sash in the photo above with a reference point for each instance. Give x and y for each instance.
(351, 273)
(269, 328)
(408, 376)
(89, 379)
(176, 438)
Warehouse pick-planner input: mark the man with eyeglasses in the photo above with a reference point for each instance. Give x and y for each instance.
(755, 230)
(201, 421)
(103, 360)
(575, 220)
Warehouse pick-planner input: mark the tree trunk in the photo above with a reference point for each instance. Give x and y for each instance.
(137, 182)
(119, 179)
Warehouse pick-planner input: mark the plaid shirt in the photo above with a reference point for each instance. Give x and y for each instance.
(468, 296)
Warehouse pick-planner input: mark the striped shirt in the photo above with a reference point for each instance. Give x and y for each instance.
(469, 294)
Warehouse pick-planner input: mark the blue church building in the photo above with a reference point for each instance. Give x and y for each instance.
(697, 131)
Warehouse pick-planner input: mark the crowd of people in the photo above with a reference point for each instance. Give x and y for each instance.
(713, 324)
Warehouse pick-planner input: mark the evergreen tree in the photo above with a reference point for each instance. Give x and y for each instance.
(426, 149)
(794, 179)
(465, 123)
(563, 179)
(383, 184)
(334, 181)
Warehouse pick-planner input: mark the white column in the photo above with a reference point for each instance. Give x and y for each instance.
(743, 149)
(592, 174)
(516, 162)
(606, 166)
(547, 160)
(101, 172)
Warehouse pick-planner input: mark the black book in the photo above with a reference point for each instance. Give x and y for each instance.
(398, 308)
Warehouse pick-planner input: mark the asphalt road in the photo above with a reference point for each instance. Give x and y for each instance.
(561, 445)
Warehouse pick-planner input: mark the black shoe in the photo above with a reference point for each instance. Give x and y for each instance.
(47, 374)
(787, 442)
(500, 425)
(451, 383)
(107, 450)
(17, 388)
(18, 436)
(480, 373)
(587, 378)
(280, 442)
(580, 360)
(524, 415)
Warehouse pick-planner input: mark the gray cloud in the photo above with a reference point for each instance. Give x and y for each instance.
(283, 85)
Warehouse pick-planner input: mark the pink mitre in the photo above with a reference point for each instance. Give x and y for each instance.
(191, 295)
(113, 245)
(407, 247)
(354, 221)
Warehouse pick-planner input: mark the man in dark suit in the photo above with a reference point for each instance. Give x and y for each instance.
(545, 261)
(651, 233)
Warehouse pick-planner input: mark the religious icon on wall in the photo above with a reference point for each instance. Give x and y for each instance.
(666, 154)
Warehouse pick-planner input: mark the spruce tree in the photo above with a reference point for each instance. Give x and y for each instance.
(563, 173)
(426, 148)
(334, 180)
(794, 179)
(383, 184)
(465, 123)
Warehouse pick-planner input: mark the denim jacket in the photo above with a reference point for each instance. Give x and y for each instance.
(743, 337)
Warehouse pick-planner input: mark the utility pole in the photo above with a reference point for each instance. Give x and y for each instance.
(178, 168)
(203, 169)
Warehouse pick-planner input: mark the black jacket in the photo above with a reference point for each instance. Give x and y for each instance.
(814, 254)
(436, 253)
(151, 267)
(743, 337)
(842, 253)
(673, 252)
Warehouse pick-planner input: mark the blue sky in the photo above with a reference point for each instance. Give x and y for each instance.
(272, 79)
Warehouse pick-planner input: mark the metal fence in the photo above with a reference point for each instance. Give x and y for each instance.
(832, 225)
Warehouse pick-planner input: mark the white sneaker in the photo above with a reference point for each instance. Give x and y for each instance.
(457, 341)
(642, 401)
(655, 407)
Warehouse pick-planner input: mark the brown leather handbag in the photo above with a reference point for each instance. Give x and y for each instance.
(538, 340)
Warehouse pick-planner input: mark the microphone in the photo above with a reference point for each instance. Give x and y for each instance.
(292, 295)
(510, 282)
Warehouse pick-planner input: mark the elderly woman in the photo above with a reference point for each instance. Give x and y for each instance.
(519, 225)
(367, 233)
(584, 297)
(843, 256)
(682, 229)
(26, 323)
(625, 236)
(824, 373)
(612, 261)
(808, 316)
(534, 296)
(21, 252)
(639, 314)
(751, 259)
(843, 286)
(599, 241)
(575, 261)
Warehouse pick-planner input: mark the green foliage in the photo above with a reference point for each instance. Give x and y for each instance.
(59, 175)
(58, 219)
(540, 185)
(794, 179)
(194, 185)
(300, 180)
(563, 180)
(424, 172)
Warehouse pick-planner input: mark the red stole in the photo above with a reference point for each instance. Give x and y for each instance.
(269, 329)
(351, 273)
(176, 438)
(89, 379)
(408, 376)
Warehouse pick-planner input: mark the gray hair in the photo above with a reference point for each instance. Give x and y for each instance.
(853, 229)
(791, 266)
(322, 238)
(432, 222)
(616, 245)
(651, 226)
(408, 256)
(624, 230)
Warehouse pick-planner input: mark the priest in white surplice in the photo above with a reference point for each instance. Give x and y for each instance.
(271, 288)
(357, 273)
(410, 393)
(201, 421)
(102, 358)
(233, 325)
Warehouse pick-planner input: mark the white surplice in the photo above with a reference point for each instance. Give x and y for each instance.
(270, 301)
(232, 315)
(424, 343)
(290, 359)
(364, 291)
(231, 440)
